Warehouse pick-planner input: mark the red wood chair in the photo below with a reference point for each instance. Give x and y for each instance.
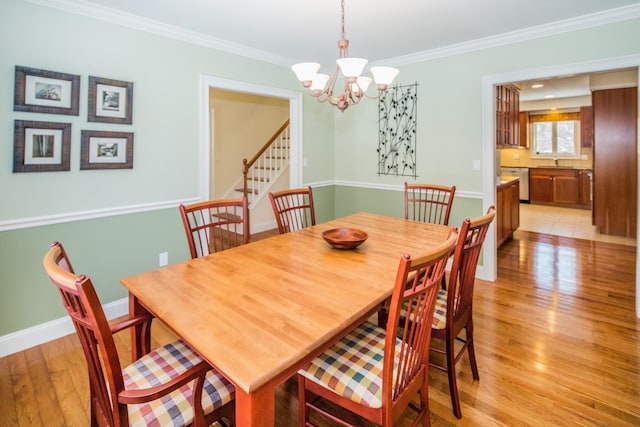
(454, 306)
(170, 385)
(215, 225)
(375, 372)
(428, 202)
(293, 209)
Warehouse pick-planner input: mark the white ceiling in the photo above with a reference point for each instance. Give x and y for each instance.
(291, 31)
(389, 32)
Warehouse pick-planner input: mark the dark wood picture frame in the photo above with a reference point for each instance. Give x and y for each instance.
(106, 150)
(110, 101)
(43, 91)
(41, 146)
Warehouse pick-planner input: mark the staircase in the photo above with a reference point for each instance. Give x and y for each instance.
(259, 173)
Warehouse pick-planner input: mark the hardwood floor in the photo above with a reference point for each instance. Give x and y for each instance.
(556, 341)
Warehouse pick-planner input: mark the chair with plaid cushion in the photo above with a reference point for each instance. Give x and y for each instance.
(215, 225)
(453, 312)
(293, 209)
(428, 202)
(374, 373)
(170, 385)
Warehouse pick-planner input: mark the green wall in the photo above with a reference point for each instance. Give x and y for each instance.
(340, 147)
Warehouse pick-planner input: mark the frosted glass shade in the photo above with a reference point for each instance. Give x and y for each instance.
(363, 82)
(305, 71)
(384, 75)
(319, 82)
(351, 67)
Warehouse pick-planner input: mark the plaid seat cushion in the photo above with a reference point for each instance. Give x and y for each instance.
(174, 409)
(353, 366)
(440, 313)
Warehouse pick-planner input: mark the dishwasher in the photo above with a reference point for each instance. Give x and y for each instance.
(523, 174)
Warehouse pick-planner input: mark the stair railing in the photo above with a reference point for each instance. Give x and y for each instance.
(263, 168)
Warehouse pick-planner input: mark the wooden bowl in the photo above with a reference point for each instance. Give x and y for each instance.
(345, 238)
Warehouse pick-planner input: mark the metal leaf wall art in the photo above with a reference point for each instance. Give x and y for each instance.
(397, 115)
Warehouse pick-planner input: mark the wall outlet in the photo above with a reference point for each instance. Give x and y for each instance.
(163, 259)
(516, 156)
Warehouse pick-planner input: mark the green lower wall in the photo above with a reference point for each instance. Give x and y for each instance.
(349, 200)
(105, 249)
(108, 249)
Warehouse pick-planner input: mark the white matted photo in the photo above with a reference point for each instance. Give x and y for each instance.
(43, 91)
(110, 101)
(106, 150)
(41, 146)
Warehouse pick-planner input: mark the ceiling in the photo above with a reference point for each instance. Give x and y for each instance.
(386, 32)
(291, 31)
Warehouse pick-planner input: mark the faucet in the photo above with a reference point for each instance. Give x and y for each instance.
(555, 159)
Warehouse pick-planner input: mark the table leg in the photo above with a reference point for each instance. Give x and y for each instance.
(256, 409)
(140, 334)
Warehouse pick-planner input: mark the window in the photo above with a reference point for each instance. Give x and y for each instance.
(556, 135)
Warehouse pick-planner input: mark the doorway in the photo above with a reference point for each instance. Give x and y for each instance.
(295, 117)
(261, 215)
(488, 132)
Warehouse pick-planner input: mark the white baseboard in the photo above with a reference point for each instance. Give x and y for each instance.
(48, 331)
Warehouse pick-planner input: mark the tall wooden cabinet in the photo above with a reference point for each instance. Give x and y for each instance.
(615, 163)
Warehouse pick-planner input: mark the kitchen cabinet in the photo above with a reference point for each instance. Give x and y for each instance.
(615, 163)
(507, 210)
(507, 98)
(584, 188)
(561, 187)
(524, 129)
(586, 127)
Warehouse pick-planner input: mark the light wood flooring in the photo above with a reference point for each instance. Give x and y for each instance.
(556, 341)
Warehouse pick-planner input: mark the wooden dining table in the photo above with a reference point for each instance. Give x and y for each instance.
(261, 311)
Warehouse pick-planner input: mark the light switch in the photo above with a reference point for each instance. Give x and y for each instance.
(476, 165)
(516, 156)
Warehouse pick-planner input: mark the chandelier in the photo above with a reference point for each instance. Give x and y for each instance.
(322, 86)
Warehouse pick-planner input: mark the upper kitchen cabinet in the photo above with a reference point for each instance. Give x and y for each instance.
(524, 129)
(507, 116)
(615, 164)
(586, 127)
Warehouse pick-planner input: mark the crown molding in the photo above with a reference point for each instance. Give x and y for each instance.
(113, 16)
(581, 22)
(82, 7)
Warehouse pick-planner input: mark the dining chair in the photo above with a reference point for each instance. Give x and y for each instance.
(454, 305)
(375, 372)
(170, 385)
(215, 225)
(293, 209)
(428, 202)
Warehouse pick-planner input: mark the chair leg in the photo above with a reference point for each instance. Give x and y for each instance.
(472, 351)
(424, 404)
(451, 373)
(303, 412)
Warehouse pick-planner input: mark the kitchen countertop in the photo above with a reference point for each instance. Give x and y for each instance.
(505, 179)
(547, 167)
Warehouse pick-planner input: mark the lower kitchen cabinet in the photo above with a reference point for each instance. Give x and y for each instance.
(560, 187)
(507, 210)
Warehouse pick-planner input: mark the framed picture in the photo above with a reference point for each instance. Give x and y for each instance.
(106, 150)
(110, 101)
(42, 91)
(41, 146)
